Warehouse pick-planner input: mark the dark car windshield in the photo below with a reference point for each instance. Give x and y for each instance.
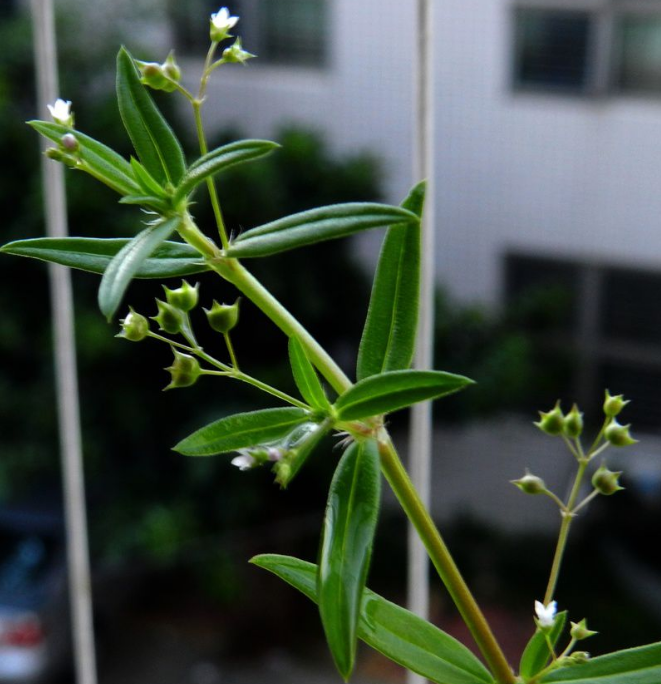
(25, 562)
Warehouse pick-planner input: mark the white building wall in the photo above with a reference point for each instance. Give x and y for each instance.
(567, 175)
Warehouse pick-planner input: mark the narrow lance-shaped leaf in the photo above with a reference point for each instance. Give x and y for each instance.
(153, 139)
(169, 260)
(287, 469)
(126, 263)
(317, 225)
(392, 630)
(395, 390)
(346, 547)
(536, 655)
(148, 184)
(220, 159)
(641, 665)
(105, 162)
(388, 341)
(306, 377)
(242, 431)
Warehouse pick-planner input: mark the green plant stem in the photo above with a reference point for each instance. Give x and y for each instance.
(232, 271)
(567, 517)
(392, 467)
(447, 569)
(202, 141)
(229, 372)
(230, 350)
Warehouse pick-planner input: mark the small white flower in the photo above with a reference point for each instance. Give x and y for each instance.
(243, 462)
(61, 112)
(221, 24)
(546, 613)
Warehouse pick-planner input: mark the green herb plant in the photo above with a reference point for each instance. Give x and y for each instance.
(160, 182)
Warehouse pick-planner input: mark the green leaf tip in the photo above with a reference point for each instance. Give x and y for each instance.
(388, 339)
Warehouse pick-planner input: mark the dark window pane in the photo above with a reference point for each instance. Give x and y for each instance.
(190, 23)
(7, 8)
(639, 64)
(630, 306)
(294, 32)
(552, 48)
(542, 293)
(642, 386)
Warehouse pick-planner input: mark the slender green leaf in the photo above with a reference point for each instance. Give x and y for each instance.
(306, 377)
(393, 631)
(287, 469)
(219, 159)
(156, 204)
(104, 161)
(148, 184)
(153, 139)
(316, 225)
(126, 263)
(641, 665)
(536, 654)
(346, 547)
(171, 259)
(394, 390)
(388, 340)
(241, 431)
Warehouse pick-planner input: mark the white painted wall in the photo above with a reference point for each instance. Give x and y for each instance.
(576, 176)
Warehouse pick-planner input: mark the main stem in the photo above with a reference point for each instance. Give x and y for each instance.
(391, 465)
(567, 517)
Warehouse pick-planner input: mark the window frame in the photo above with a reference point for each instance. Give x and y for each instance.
(602, 57)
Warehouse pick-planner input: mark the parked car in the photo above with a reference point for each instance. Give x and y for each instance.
(34, 625)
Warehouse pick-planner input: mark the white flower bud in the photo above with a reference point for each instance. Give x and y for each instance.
(221, 24)
(60, 110)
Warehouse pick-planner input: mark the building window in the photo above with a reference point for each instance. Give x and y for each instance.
(638, 54)
(606, 317)
(598, 48)
(552, 49)
(288, 32)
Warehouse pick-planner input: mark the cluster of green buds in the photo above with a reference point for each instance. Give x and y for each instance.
(569, 427)
(173, 318)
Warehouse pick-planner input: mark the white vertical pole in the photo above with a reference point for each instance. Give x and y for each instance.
(65, 363)
(420, 442)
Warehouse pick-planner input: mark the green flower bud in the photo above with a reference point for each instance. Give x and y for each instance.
(223, 317)
(183, 298)
(606, 481)
(135, 327)
(579, 658)
(614, 404)
(573, 423)
(185, 370)
(580, 631)
(236, 54)
(55, 154)
(61, 155)
(69, 142)
(171, 68)
(552, 422)
(154, 76)
(618, 435)
(169, 319)
(530, 484)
